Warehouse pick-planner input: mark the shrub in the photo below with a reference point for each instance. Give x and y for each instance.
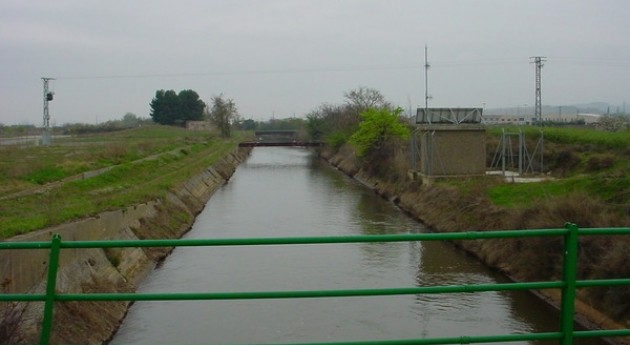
(378, 128)
(336, 140)
(600, 162)
(564, 162)
(612, 264)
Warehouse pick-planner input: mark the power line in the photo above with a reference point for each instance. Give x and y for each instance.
(479, 62)
(344, 69)
(593, 59)
(409, 66)
(249, 72)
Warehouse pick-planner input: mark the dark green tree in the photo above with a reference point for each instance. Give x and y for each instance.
(248, 125)
(169, 108)
(164, 107)
(191, 107)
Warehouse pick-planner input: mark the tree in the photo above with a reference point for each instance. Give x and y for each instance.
(378, 127)
(164, 107)
(335, 123)
(365, 98)
(248, 125)
(130, 120)
(168, 107)
(315, 126)
(222, 114)
(191, 107)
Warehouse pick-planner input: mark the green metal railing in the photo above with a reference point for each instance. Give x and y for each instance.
(568, 284)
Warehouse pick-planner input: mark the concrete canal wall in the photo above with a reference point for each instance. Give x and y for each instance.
(446, 210)
(100, 270)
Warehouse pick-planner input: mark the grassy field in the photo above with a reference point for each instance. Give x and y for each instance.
(565, 135)
(38, 188)
(586, 161)
(589, 185)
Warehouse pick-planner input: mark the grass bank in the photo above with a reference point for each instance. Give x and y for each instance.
(577, 161)
(581, 136)
(588, 184)
(144, 163)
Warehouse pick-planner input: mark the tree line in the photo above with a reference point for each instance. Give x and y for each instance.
(366, 119)
(171, 108)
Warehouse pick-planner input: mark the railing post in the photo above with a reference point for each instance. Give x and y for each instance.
(51, 284)
(569, 274)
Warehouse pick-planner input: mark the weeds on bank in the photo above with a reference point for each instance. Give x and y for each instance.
(583, 136)
(28, 167)
(124, 185)
(587, 161)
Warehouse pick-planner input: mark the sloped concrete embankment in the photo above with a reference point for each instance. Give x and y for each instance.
(444, 209)
(100, 270)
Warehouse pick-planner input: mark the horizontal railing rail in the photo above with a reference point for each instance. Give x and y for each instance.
(568, 284)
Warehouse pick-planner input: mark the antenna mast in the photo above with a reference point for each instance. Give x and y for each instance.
(426, 80)
(48, 96)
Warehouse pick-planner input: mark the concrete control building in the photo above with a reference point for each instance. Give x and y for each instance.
(451, 142)
(450, 151)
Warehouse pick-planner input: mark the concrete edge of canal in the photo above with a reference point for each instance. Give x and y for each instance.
(100, 270)
(431, 207)
(121, 270)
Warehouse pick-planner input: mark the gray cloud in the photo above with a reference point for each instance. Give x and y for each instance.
(287, 57)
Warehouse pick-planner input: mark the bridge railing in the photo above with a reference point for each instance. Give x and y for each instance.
(568, 285)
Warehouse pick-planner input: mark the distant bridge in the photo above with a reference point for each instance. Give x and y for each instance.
(278, 138)
(282, 133)
(280, 143)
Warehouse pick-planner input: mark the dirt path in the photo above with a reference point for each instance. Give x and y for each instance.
(82, 176)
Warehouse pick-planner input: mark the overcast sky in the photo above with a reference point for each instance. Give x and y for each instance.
(286, 57)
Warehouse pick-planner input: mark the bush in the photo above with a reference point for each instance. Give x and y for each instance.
(378, 128)
(336, 140)
(600, 162)
(612, 264)
(564, 162)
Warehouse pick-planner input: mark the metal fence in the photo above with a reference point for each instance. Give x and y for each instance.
(568, 284)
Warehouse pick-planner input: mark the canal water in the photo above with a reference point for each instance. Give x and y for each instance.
(282, 192)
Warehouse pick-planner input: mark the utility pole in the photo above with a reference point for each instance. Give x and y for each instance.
(538, 60)
(413, 143)
(426, 81)
(428, 145)
(48, 96)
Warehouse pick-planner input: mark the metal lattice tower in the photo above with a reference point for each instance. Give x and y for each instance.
(538, 60)
(48, 96)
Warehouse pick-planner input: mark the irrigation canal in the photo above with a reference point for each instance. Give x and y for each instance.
(281, 192)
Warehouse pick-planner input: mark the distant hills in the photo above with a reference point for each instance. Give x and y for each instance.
(601, 108)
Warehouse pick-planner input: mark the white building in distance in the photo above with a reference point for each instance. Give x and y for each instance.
(588, 119)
